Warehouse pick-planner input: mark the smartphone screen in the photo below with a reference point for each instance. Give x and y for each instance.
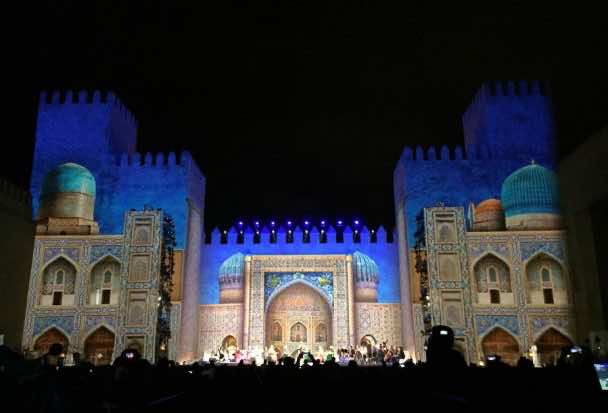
(602, 375)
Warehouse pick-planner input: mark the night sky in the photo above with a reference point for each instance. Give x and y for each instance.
(296, 111)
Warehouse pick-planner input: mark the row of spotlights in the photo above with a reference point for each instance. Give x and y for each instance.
(356, 222)
(305, 231)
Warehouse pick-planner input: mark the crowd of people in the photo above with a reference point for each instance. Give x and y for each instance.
(131, 383)
(363, 355)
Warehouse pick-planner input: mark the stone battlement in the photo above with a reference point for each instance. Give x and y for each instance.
(85, 97)
(160, 159)
(445, 153)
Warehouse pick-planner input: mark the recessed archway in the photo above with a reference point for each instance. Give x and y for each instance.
(99, 346)
(550, 345)
(104, 282)
(499, 342)
(229, 343)
(492, 281)
(298, 316)
(546, 281)
(58, 283)
(50, 337)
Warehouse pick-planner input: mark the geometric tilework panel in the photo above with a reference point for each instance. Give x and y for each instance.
(94, 321)
(98, 251)
(476, 250)
(555, 248)
(72, 253)
(323, 281)
(382, 321)
(216, 321)
(485, 323)
(41, 323)
(539, 323)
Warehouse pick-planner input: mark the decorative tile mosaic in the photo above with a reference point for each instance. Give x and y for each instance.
(277, 281)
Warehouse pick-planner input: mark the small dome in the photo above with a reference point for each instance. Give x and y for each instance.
(365, 269)
(231, 270)
(530, 198)
(489, 205)
(231, 279)
(69, 177)
(365, 272)
(489, 216)
(68, 192)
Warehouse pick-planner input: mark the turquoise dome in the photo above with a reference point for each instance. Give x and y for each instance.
(69, 177)
(231, 270)
(365, 269)
(532, 189)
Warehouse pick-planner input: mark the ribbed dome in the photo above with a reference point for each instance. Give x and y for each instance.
(532, 189)
(231, 279)
(231, 270)
(365, 269)
(69, 177)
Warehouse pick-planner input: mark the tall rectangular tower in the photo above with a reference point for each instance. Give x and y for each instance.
(512, 121)
(88, 129)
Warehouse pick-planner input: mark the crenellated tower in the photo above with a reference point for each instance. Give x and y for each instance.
(89, 129)
(507, 125)
(96, 133)
(513, 120)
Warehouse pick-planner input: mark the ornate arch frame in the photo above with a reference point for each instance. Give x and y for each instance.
(47, 329)
(483, 256)
(283, 287)
(481, 337)
(51, 262)
(89, 274)
(257, 266)
(548, 327)
(562, 265)
(86, 334)
(518, 339)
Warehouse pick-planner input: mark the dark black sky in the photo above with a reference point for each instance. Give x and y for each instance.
(300, 110)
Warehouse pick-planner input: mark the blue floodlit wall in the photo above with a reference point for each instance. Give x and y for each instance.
(99, 133)
(506, 127)
(512, 120)
(382, 252)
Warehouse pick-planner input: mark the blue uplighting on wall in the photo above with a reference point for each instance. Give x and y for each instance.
(505, 128)
(99, 133)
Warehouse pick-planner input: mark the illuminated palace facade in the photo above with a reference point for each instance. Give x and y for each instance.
(478, 246)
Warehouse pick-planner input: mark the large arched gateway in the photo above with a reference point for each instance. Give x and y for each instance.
(298, 317)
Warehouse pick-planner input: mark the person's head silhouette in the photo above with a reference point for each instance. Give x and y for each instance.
(440, 352)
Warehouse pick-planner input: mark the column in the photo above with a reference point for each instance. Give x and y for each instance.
(246, 293)
(189, 322)
(407, 320)
(352, 339)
